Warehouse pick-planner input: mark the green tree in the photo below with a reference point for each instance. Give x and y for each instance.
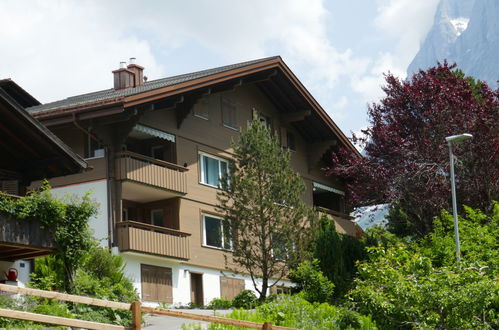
(262, 206)
(337, 255)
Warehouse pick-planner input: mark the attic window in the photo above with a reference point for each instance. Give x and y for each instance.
(290, 141)
(201, 110)
(229, 114)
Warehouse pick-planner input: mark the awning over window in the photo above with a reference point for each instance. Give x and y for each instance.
(317, 185)
(154, 132)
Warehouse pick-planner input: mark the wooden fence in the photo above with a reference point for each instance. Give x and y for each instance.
(136, 308)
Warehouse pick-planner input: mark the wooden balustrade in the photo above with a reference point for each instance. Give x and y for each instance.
(151, 171)
(143, 237)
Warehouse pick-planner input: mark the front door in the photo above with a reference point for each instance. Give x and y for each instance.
(197, 289)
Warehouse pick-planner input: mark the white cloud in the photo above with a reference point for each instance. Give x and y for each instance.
(406, 21)
(56, 48)
(60, 48)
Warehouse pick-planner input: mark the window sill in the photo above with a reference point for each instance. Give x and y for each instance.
(216, 248)
(209, 185)
(95, 157)
(201, 117)
(237, 129)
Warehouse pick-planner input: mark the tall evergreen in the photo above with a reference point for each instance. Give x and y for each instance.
(262, 205)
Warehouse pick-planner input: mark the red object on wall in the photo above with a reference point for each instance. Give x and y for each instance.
(11, 274)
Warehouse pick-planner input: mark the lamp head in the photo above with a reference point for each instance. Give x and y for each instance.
(458, 138)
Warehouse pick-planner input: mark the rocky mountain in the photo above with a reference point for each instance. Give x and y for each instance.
(465, 32)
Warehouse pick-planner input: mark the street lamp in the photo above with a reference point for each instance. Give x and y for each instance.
(450, 139)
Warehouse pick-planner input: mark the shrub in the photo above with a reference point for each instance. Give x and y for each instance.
(294, 311)
(220, 303)
(401, 289)
(311, 282)
(245, 299)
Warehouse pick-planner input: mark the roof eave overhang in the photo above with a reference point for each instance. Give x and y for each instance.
(79, 163)
(273, 63)
(67, 114)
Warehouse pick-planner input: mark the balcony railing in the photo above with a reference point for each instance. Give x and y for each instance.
(23, 238)
(146, 238)
(154, 172)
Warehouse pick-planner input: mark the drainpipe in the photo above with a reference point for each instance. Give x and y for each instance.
(110, 229)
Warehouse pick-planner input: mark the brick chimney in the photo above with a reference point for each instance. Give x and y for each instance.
(128, 76)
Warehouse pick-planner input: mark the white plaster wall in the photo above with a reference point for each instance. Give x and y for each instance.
(23, 269)
(180, 285)
(181, 277)
(98, 189)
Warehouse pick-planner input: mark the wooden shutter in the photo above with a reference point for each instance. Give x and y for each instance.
(230, 287)
(10, 186)
(156, 283)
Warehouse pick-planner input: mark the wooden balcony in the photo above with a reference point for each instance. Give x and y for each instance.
(146, 238)
(153, 172)
(23, 239)
(342, 222)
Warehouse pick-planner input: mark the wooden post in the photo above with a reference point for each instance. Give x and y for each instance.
(267, 326)
(136, 315)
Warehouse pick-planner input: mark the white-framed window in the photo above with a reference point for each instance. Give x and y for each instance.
(279, 247)
(212, 169)
(157, 217)
(215, 233)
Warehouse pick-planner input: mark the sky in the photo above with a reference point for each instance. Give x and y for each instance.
(338, 49)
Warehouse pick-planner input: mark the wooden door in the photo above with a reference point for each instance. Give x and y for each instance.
(230, 287)
(197, 289)
(156, 283)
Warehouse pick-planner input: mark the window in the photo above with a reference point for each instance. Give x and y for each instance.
(124, 215)
(263, 118)
(216, 234)
(201, 110)
(279, 247)
(229, 114)
(157, 217)
(290, 141)
(213, 169)
(93, 149)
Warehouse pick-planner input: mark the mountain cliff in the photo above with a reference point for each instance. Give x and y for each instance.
(464, 32)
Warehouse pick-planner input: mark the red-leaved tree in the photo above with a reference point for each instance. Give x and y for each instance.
(406, 158)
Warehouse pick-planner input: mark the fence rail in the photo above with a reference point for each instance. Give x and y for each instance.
(135, 307)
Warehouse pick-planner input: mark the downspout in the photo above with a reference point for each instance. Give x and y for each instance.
(110, 229)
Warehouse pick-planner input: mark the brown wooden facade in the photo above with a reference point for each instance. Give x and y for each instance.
(150, 145)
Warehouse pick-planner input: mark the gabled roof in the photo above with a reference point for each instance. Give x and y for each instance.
(15, 91)
(27, 147)
(112, 94)
(271, 74)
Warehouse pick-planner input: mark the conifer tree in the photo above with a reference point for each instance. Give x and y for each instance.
(262, 206)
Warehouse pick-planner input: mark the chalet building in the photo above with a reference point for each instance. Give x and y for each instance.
(29, 152)
(158, 148)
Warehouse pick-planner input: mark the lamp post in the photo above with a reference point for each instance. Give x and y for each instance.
(450, 139)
